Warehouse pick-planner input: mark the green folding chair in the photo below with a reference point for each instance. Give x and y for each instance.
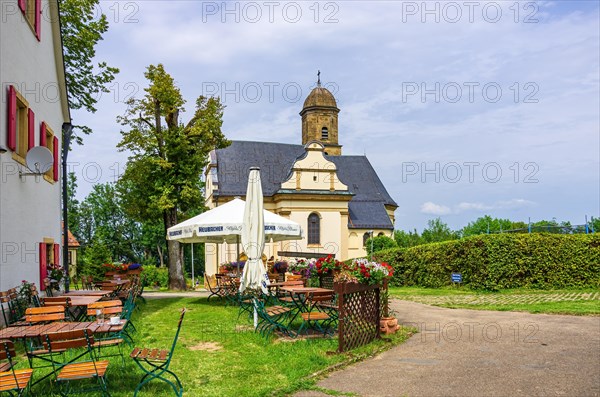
(84, 366)
(13, 382)
(155, 363)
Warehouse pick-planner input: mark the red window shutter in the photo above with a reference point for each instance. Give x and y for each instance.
(57, 254)
(55, 166)
(23, 5)
(11, 138)
(30, 129)
(43, 270)
(43, 134)
(38, 19)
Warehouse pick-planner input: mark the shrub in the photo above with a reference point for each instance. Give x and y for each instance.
(499, 261)
(155, 276)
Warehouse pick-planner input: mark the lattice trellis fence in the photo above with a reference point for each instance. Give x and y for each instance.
(358, 314)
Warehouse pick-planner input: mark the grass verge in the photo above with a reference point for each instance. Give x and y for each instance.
(219, 355)
(567, 301)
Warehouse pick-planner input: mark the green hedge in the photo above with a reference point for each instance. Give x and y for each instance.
(500, 261)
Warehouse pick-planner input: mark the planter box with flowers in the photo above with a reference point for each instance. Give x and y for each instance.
(372, 273)
(232, 267)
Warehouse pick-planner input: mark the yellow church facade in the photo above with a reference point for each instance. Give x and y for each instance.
(338, 200)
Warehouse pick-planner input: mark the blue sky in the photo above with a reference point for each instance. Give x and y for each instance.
(463, 108)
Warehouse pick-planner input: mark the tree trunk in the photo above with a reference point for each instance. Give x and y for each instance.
(176, 279)
(160, 255)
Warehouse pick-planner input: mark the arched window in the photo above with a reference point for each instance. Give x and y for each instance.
(314, 229)
(324, 134)
(366, 237)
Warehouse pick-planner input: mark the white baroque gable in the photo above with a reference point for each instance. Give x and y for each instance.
(314, 172)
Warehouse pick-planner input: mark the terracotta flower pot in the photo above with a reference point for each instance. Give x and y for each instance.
(388, 325)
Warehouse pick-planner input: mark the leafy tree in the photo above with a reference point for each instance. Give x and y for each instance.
(81, 31)
(162, 178)
(152, 239)
(437, 231)
(594, 225)
(379, 243)
(106, 228)
(486, 224)
(405, 240)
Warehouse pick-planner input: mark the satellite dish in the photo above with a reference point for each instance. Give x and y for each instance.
(39, 160)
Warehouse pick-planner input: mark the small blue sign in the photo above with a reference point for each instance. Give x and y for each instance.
(456, 278)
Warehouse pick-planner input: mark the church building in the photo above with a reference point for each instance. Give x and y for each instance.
(338, 200)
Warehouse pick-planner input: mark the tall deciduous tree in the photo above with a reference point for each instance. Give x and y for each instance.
(162, 177)
(103, 223)
(82, 28)
(437, 231)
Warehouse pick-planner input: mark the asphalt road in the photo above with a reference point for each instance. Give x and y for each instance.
(479, 353)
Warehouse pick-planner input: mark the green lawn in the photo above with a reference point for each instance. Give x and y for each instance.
(567, 301)
(217, 355)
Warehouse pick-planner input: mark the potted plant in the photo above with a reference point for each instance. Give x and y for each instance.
(375, 273)
(280, 266)
(328, 265)
(55, 274)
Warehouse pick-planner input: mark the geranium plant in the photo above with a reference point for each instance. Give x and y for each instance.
(328, 264)
(56, 274)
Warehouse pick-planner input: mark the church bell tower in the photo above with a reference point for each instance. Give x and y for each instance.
(320, 119)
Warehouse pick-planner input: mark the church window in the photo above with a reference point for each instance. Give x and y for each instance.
(314, 229)
(324, 133)
(366, 236)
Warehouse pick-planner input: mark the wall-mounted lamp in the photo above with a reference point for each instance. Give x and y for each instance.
(3, 150)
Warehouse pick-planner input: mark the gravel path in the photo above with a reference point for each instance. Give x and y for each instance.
(462, 352)
(499, 299)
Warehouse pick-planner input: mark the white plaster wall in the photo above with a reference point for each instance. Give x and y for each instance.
(29, 207)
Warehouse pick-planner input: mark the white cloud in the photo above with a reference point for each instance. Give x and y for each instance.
(434, 209)
(472, 206)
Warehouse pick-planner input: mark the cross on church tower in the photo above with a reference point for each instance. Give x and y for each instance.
(318, 78)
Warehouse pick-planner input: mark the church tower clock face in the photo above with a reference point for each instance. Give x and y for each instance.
(320, 119)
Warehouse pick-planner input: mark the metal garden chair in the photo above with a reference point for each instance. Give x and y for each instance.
(83, 366)
(315, 318)
(12, 381)
(272, 318)
(155, 363)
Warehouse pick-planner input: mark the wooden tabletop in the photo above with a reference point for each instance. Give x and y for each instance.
(304, 290)
(83, 300)
(115, 281)
(35, 331)
(87, 292)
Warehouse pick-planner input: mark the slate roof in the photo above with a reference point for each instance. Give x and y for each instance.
(366, 208)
